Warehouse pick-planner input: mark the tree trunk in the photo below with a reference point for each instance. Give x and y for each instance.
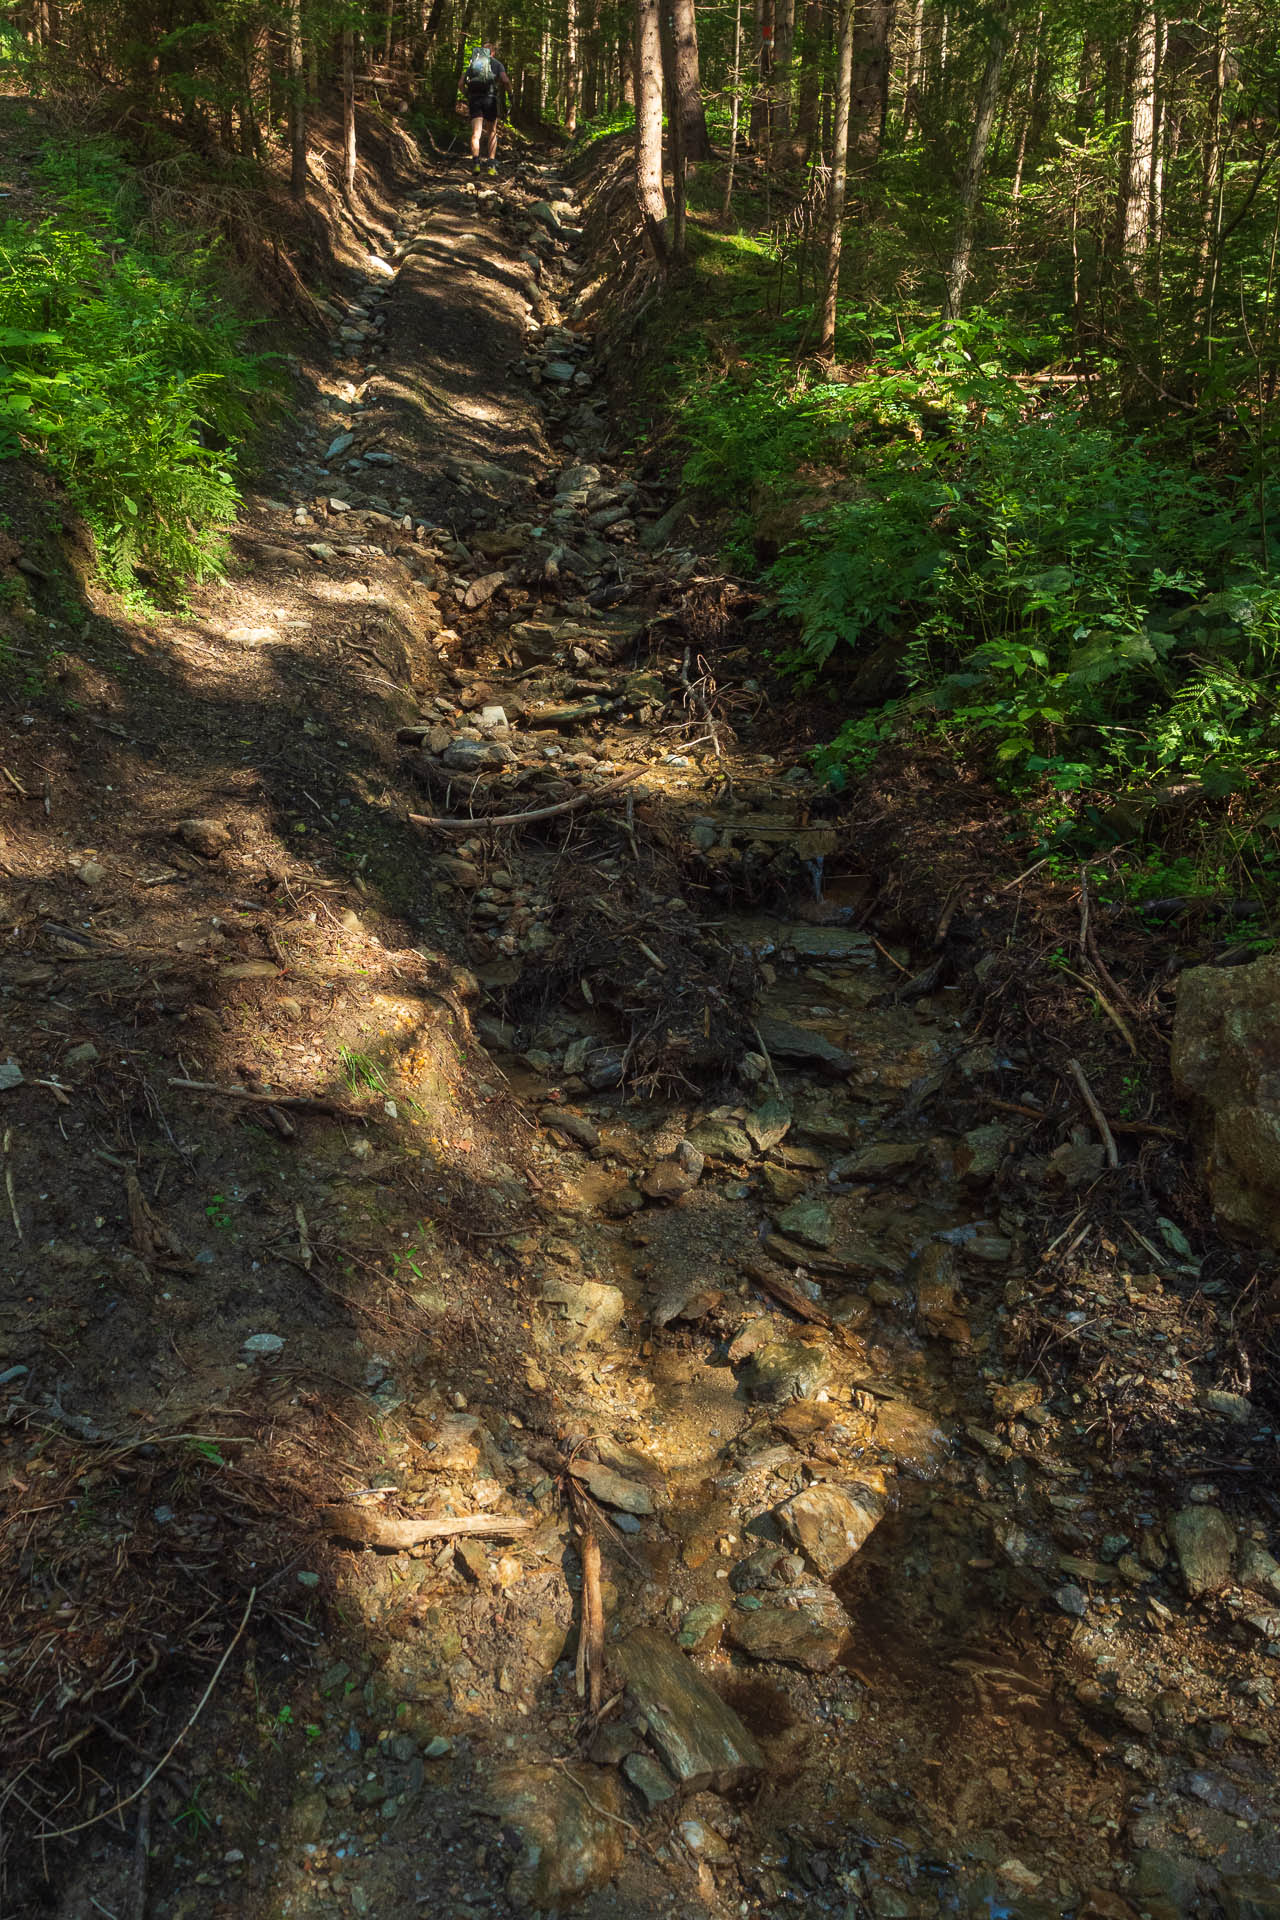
(869, 84)
(688, 79)
(839, 177)
(784, 36)
(810, 80)
(648, 83)
(675, 140)
(726, 211)
(1136, 200)
(984, 121)
(348, 112)
(913, 72)
(627, 66)
(297, 106)
(572, 72)
(1211, 167)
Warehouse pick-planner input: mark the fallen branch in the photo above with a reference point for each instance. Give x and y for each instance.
(782, 1290)
(366, 1528)
(472, 821)
(295, 1102)
(1099, 1117)
(590, 1664)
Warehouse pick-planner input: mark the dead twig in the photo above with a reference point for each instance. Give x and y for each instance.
(1099, 1117)
(472, 821)
(1115, 1018)
(294, 1102)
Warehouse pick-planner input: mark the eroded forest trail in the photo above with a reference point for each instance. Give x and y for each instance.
(603, 1182)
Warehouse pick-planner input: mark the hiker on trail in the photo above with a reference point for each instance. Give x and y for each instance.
(488, 89)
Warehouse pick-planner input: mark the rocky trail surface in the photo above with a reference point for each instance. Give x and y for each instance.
(500, 1236)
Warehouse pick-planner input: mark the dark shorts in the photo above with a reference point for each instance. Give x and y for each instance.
(482, 103)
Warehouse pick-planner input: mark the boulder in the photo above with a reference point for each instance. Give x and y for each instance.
(830, 1523)
(1226, 1058)
(569, 1821)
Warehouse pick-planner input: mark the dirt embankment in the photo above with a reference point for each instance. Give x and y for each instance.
(587, 1351)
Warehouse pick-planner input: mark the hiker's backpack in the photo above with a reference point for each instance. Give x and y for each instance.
(480, 73)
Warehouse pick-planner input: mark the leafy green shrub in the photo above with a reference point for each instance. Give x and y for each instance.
(1061, 591)
(120, 364)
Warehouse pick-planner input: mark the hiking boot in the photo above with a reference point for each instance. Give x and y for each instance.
(492, 171)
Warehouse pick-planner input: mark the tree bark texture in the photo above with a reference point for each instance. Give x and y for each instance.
(1136, 199)
(688, 79)
(839, 179)
(297, 106)
(648, 82)
(869, 85)
(984, 121)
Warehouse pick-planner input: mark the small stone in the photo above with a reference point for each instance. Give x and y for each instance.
(250, 970)
(338, 505)
(721, 1140)
(788, 1042)
(575, 1126)
(207, 837)
(339, 445)
(437, 1747)
(768, 1124)
(613, 1488)
(980, 1153)
(1205, 1544)
(91, 873)
(262, 1346)
(77, 1059)
(591, 1309)
(811, 1636)
(668, 1180)
(884, 1161)
(1259, 1569)
(1230, 1406)
(1072, 1600)
(787, 1367)
(10, 1074)
(701, 1626)
(471, 756)
(809, 1221)
(648, 1778)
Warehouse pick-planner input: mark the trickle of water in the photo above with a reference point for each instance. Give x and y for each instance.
(815, 874)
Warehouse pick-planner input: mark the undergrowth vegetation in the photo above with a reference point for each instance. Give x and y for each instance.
(125, 370)
(969, 549)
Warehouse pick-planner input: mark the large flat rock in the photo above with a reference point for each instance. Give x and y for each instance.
(700, 1737)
